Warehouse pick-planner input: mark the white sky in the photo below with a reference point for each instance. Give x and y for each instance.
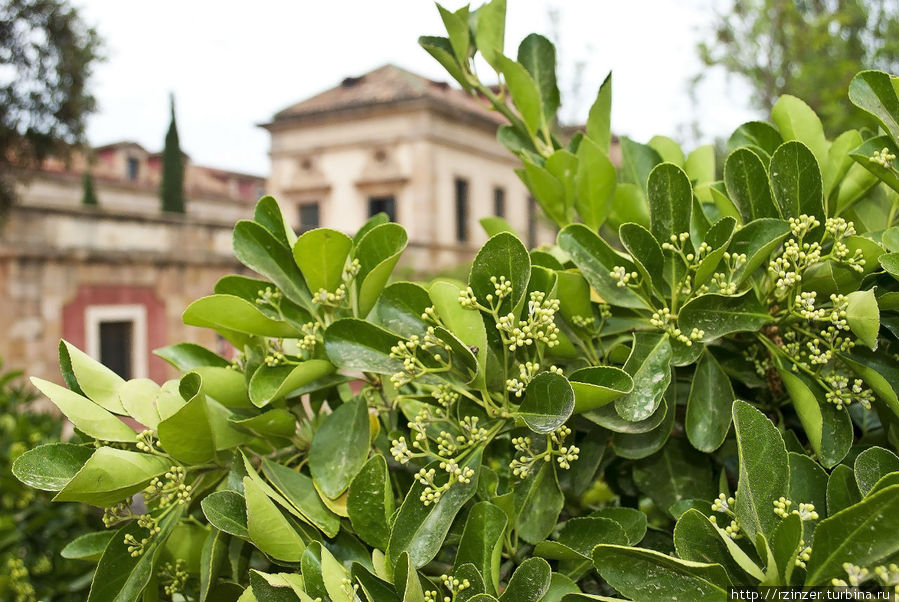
(232, 65)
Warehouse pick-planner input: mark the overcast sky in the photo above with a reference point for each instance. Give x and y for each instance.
(232, 65)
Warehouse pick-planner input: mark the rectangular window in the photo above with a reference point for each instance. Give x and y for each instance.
(382, 204)
(117, 337)
(133, 168)
(461, 210)
(532, 222)
(116, 345)
(499, 202)
(309, 216)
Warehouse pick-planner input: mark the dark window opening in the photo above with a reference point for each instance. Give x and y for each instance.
(116, 347)
(532, 222)
(461, 210)
(499, 202)
(309, 216)
(133, 168)
(382, 204)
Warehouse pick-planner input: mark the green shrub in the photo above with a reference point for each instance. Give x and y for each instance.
(568, 420)
(33, 531)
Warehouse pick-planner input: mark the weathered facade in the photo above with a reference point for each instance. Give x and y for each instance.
(113, 279)
(394, 141)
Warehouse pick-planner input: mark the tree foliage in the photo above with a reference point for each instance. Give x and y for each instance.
(47, 54)
(171, 188)
(808, 48)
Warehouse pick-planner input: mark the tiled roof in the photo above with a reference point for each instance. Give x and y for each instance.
(388, 85)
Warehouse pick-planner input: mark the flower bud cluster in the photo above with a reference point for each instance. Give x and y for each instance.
(145, 441)
(663, 320)
(722, 503)
(805, 511)
(274, 358)
(524, 458)
(432, 492)
(539, 327)
(622, 277)
(174, 577)
(349, 588)
(805, 554)
(19, 580)
(526, 372)
(171, 489)
(883, 157)
(311, 337)
(732, 530)
(269, 296)
(413, 366)
(840, 393)
(326, 298)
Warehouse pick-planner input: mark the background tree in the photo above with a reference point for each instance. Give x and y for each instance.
(47, 53)
(89, 195)
(171, 188)
(807, 48)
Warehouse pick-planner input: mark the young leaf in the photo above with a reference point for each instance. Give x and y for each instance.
(370, 503)
(88, 417)
(321, 255)
(548, 402)
(764, 470)
(538, 55)
(490, 28)
(708, 407)
(227, 512)
(111, 475)
(89, 546)
(268, 528)
(187, 435)
(875, 93)
(597, 386)
(599, 127)
(761, 137)
(863, 534)
(271, 383)
(99, 384)
(637, 160)
(863, 316)
(262, 252)
(340, 447)
(298, 489)
(797, 121)
(524, 92)
(378, 252)
(757, 240)
(481, 543)
(646, 253)
(234, 314)
(51, 466)
(594, 182)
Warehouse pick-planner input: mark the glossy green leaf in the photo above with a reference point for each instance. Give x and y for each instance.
(764, 470)
(700, 164)
(626, 569)
(698, 540)
(51, 466)
(298, 489)
(597, 386)
(502, 256)
(111, 475)
(340, 447)
(642, 445)
(321, 255)
(759, 136)
(268, 528)
(746, 178)
(538, 502)
(97, 382)
(378, 252)
(234, 314)
(420, 530)
(524, 92)
(709, 405)
(187, 435)
(400, 309)
(718, 238)
(262, 252)
(875, 93)
(599, 120)
(354, 344)
(873, 464)
(842, 490)
(863, 316)
(529, 581)
(271, 383)
(863, 534)
(720, 315)
(87, 416)
(578, 538)
(629, 204)
(89, 546)
(272, 423)
(797, 121)
(490, 29)
(538, 55)
(669, 150)
(862, 155)
(481, 543)
(138, 397)
(670, 201)
(456, 24)
(596, 259)
(548, 402)
(595, 183)
(121, 576)
(370, 503)
(227, 512)
(757, 240)
(268, 214)
(648, 365)
(493, 225)
(796, 181)
(466, 324)
(548, 190)
(637, 161)
(646, 253)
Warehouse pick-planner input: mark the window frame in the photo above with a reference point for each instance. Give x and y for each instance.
(94, 315)
(462, 206)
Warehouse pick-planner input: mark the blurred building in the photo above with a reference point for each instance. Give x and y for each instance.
(420, 150)
(114, 278)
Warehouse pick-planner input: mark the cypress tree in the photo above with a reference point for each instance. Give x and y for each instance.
(171, 187)
(89, 196)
